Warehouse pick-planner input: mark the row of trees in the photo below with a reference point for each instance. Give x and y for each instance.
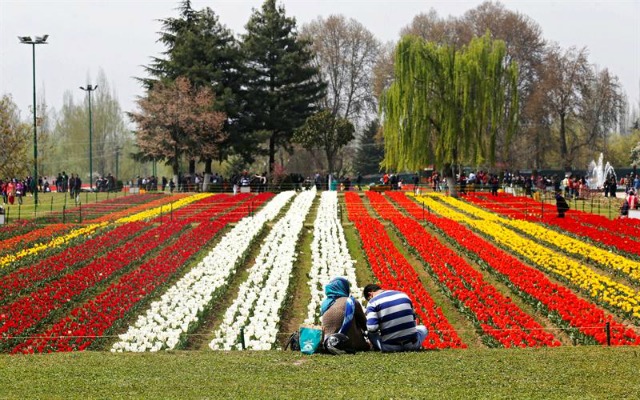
(317, 89)
(569, 111)
(63, 137)
(309, 98)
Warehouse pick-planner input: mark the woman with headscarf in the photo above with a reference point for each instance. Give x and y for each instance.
(341, 313)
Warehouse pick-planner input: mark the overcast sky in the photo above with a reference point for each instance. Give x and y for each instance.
(118, 36)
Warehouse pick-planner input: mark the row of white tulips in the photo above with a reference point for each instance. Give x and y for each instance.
(178, 310)
(256, 309)
(330, 256)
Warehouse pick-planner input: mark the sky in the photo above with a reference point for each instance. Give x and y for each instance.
(119, 36)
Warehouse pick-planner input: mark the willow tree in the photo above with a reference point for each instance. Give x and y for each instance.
(447, 106)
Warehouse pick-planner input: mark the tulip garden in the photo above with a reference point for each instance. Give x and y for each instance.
(220, 272)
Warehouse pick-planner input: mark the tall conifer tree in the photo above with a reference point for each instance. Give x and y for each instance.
(282, 86)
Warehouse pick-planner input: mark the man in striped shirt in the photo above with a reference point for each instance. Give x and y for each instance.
(391, 322)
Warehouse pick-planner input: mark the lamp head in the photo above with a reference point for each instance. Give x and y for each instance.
(24, 39)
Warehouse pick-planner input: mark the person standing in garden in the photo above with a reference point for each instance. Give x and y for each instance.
(391, 321)
(19, 191)
(11, 190)
(561, 204)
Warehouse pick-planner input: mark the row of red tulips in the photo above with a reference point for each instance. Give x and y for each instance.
(209, 208)
(498, 317)
(31, 277)
(574, 225)
(26, 313)
(394, 272)
(88, 322)
(628, 228)
(561, 305)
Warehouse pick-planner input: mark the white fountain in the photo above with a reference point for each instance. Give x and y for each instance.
(597, 173)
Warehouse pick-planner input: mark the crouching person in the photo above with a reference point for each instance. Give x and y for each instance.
(343, 319)
(391, 322)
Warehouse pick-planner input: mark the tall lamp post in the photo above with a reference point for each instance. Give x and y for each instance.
(90, 89)
(33, 43)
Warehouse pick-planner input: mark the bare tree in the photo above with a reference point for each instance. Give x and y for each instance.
(603, 106)
(346, 53)
(567, 76)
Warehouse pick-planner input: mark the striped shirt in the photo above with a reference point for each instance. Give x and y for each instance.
(391, 313)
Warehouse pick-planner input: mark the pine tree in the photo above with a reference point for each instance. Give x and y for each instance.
(282, 87)
(369, 151)
(204, 51)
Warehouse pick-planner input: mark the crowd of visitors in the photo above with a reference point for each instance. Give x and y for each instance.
(14, 190)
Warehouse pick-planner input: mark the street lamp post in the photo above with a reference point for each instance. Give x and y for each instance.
(90, 89)
(33, 43)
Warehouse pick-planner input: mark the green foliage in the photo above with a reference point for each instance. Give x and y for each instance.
(70, 137)
(369, 151)
(203, 50)
(14, 141)
(447, 106)
(282, 88)
(623, 151)
(635, 155)
(323, 130)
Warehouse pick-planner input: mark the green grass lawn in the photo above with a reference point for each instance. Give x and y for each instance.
(52, 202)
(558, 373)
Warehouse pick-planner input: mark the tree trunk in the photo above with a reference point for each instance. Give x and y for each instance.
(330, 160)
(272, 152)
(192, 167)
(563, 144)
(448, 175)
(207, 174)
(175, 167)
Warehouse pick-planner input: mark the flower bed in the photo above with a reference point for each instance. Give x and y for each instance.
(329, 254)
(101, 209)
(84, 324)
(394, 272)
(136, 208)
(33, 238)
(585, 322)
(177, 312)
(52, 243)
(23, 314)
(33, 276)
(495, 314)
(617, 297)
(256, 309)
(628, 244)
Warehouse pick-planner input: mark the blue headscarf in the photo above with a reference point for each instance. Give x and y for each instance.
(336, 288)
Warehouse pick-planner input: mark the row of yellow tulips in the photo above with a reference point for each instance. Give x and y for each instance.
(598, 286)
(88, 229)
